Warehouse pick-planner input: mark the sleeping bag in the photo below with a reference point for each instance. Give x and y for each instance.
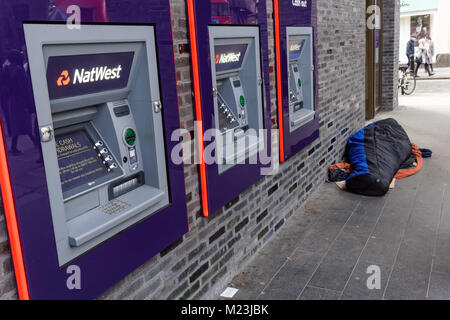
(376, 153)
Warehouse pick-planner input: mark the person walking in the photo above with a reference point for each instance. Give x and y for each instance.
(428, 57)
(431, 52)
(410, 50)
(422, 57)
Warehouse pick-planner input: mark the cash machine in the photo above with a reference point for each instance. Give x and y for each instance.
(296, 75)
(236, 81)
(300, 77)
(232, 96)
(101, 127)
(95, 195)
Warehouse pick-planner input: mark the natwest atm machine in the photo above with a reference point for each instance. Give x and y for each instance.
(103, 195)
(232, 94)
(301, 79)
(103, 130)
(296, 75)
(237, 92)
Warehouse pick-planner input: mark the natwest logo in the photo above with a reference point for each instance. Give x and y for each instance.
(89, 76)
(64, 79)
(228, 57)
(96, 74)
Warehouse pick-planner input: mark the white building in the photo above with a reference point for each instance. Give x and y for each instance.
(425, 17)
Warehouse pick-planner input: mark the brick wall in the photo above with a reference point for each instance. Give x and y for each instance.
(201, 263)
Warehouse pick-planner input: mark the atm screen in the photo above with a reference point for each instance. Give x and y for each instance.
(230, 56)
(78, 160)
(75, 75)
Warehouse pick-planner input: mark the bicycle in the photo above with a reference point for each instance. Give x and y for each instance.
(406, 80)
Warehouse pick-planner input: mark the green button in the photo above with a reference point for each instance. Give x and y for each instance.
(299, 82)
(242, 101)
(130, 136)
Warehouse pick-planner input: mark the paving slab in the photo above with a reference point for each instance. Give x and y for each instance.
(439, 286)
(313, 293)
(292, 278)
(357, 287)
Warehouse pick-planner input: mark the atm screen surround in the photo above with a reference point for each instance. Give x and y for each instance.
(78, 161)
(84, 159)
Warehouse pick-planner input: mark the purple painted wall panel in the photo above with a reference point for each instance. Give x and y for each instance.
(105, 265)
(227, 186)
(297, 16)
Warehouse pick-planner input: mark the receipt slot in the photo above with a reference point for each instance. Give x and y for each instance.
(297, 87)
(301, 85)
(236, 75)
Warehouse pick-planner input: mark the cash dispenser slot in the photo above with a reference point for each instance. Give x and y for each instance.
(237, 92)
(111, 214)
(302, 118)
(251, 143)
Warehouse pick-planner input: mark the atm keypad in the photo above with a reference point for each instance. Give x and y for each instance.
(103, 153)
(114, 207)
(227, 119)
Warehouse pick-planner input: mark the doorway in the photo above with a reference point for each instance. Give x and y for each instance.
(374, 42)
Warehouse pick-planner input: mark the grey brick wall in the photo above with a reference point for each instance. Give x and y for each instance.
(390, 53)
(215, 249)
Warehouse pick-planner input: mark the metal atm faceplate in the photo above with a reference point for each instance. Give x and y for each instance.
(300, 77)
(237, 92)
(99, 97)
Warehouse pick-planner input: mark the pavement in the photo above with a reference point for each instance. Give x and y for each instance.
(346, 246)
(439, 74)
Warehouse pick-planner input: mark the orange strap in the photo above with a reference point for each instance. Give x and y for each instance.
(403, 173)
(342, 165)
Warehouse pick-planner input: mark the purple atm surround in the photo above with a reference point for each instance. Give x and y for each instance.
(290, 13)
(33, 247)
(218, 190)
